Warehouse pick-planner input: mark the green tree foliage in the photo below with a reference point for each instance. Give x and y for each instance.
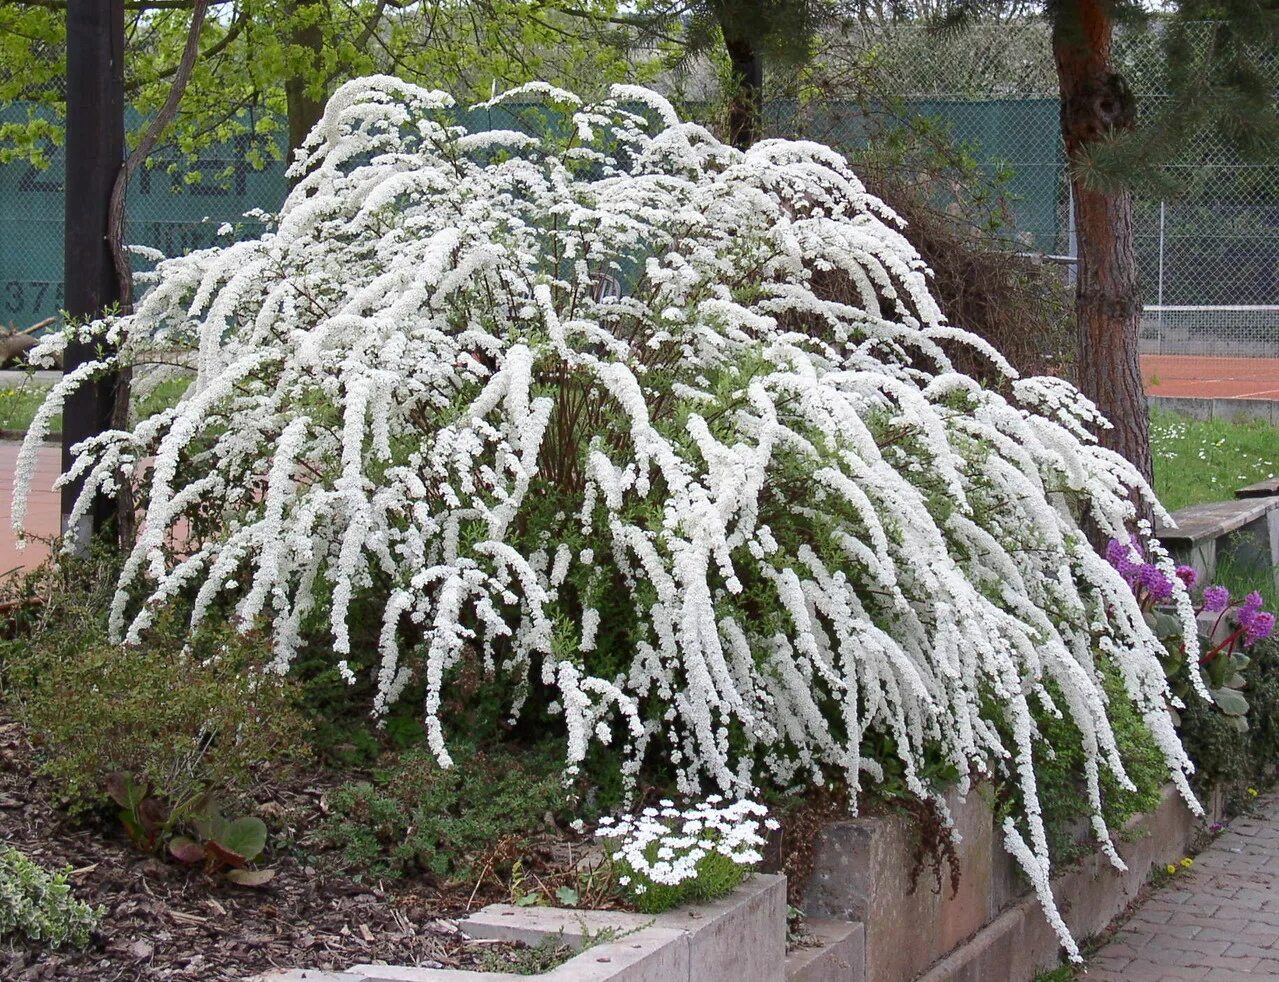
(267, 63)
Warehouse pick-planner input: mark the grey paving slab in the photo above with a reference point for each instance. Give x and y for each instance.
(1217, 920)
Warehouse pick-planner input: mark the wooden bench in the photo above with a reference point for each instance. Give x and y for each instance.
(1268, 488)
(1243, 532)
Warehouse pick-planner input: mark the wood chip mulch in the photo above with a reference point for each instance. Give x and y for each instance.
(166, 921)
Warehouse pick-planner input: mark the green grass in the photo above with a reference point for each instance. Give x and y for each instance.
(18, 405)
(1197, 461)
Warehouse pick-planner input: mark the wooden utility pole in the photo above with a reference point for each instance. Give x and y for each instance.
(95, 152)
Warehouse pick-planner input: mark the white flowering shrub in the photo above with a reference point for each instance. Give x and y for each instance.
(668, 856)
(662, 435)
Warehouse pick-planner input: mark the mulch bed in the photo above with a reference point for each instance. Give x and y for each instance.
(167, 921)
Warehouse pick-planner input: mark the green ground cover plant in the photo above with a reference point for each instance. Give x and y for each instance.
(38, 905)
(415, 817)
(153, 729)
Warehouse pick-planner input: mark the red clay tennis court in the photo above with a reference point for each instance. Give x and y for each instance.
(1198, 377)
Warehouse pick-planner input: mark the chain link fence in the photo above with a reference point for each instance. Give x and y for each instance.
(1209, 256)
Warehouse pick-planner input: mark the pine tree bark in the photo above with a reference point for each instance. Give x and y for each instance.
(1096, 102)
(304, 109)
(746, 106)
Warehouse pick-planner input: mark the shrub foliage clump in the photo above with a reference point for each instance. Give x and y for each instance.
(664, 436)
(182, 716)
(417, 817)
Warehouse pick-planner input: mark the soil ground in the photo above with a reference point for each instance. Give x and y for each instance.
(165, 921)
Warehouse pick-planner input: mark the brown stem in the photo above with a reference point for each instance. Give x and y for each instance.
(115, 216)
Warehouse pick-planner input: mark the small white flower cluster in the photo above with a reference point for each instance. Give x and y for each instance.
(665, 845)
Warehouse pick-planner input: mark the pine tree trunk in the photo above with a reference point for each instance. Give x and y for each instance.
(1095, 101)
(745, 108)
(304, 110)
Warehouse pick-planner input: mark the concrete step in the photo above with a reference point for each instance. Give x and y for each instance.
(835, 951)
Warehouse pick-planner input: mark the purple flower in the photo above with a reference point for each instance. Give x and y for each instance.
(1188, 576)
(1253, 601)
(1155, 581)
(1259, 627)
(1125, 558)
(1216, 598)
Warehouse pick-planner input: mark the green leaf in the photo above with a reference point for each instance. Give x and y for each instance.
(250, 877)
(125, 790)
(1216, 671)
(186, 850)
(528, 900)
(1230, 701)
(245, 837)
(567, 896)
(206, 819)
(1163, 624)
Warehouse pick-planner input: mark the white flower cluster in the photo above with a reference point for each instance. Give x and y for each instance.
(665, 845)
(662, 435)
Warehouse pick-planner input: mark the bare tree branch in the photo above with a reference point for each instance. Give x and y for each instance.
(115, 216)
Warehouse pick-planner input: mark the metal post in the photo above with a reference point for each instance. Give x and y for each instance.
(95, 151)
(1160, 290)
(1072, 239)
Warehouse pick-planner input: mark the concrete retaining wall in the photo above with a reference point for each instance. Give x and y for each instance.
(993, 927)
(1231, 410)
(865, 923)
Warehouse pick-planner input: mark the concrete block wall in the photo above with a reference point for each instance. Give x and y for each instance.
(993, 928)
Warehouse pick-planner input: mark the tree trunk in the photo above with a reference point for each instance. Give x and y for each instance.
(1095, 102)
(304, 109)
(745, 107)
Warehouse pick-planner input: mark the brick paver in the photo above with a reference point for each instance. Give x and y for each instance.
(1217, 921)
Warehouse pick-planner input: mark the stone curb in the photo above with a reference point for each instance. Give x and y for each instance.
(741, 937)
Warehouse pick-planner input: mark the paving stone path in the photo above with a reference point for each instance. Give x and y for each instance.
(1219, 920)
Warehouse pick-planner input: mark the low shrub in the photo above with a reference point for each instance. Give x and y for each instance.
(37, 905)
(180, 717)
(417, 817)
(1225, 758)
